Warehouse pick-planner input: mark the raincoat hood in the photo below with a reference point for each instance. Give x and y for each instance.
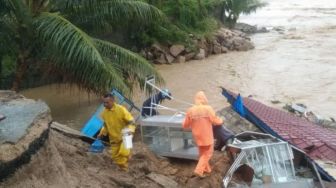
(200, 98)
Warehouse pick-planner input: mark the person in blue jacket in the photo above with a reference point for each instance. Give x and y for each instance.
(148, 107)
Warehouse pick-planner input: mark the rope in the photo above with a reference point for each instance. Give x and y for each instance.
(177, 100)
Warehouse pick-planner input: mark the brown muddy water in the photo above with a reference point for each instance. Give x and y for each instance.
(294, 62)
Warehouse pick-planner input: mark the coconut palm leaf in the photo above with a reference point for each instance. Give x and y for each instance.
(106, 13)
(136, 67)
(7, 35)
(36, 32)
(74, 52)
(6, 6)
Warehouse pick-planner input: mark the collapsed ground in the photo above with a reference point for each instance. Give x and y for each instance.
(64, 161)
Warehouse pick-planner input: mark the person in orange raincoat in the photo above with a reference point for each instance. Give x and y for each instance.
(200, 118)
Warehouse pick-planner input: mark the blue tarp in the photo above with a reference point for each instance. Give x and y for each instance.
(238, 106)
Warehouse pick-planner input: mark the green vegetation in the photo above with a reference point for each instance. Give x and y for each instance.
(61, 38)
(185, 17)
(197, 18)
(54, 36)
(231, 9)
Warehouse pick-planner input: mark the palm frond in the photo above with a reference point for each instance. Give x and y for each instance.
(6, 6)
(245, 6)
(252, 6)
(74, 52)
(21, 12)
(105, 13)
(7, 35)
(131, 63)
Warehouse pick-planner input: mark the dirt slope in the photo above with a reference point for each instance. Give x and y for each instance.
(64, 161)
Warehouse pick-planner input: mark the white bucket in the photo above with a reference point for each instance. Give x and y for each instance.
(127, 140)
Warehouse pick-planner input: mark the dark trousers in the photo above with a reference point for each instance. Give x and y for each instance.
(221, 134)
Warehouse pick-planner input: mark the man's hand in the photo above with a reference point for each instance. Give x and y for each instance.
(100, 135)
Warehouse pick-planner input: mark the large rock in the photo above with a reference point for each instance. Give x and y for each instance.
(157, 50)
(190, 56)
(180, 59)
(169, 58)
(157, 47)
(202, 44)
(223, 34)
(175, 50)
(233, 40)
(161, 60)
(242, 44)
(217, 49)
(224, 49)
(23, 131)
(249, 29)
(200, 55)
(149, 56)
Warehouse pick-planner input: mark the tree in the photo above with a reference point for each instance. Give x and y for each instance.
(232, 9)
(55, 34)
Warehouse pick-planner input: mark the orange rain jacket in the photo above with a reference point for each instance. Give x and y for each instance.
(200, 118)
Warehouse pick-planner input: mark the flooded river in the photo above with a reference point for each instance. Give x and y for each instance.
(296, 62)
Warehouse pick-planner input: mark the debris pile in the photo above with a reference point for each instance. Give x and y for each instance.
(302, 110)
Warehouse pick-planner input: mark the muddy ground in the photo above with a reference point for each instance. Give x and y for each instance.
(64, 161)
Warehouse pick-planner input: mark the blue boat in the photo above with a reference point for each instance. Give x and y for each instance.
(94, 124)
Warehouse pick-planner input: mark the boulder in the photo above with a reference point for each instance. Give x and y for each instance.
(224, 49)
(180, 59)
(246, 28)
(169, 58)
(223, 34)
(149, 56)
(160, 60)
(215, 42)
(189, 56)
(157, 50)
(217, 49)
(200, 55)
(175, 50)
(23, 132)
(228, 43)
(157, 47)
(208, 51)
(241, 44)
(249, 29)
(202, 43)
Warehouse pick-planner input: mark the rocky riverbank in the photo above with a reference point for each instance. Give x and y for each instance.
(223, 41)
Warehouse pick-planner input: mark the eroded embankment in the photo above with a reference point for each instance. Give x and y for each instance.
(64, 161)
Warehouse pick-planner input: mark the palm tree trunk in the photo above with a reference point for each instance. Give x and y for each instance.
(19, 73)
